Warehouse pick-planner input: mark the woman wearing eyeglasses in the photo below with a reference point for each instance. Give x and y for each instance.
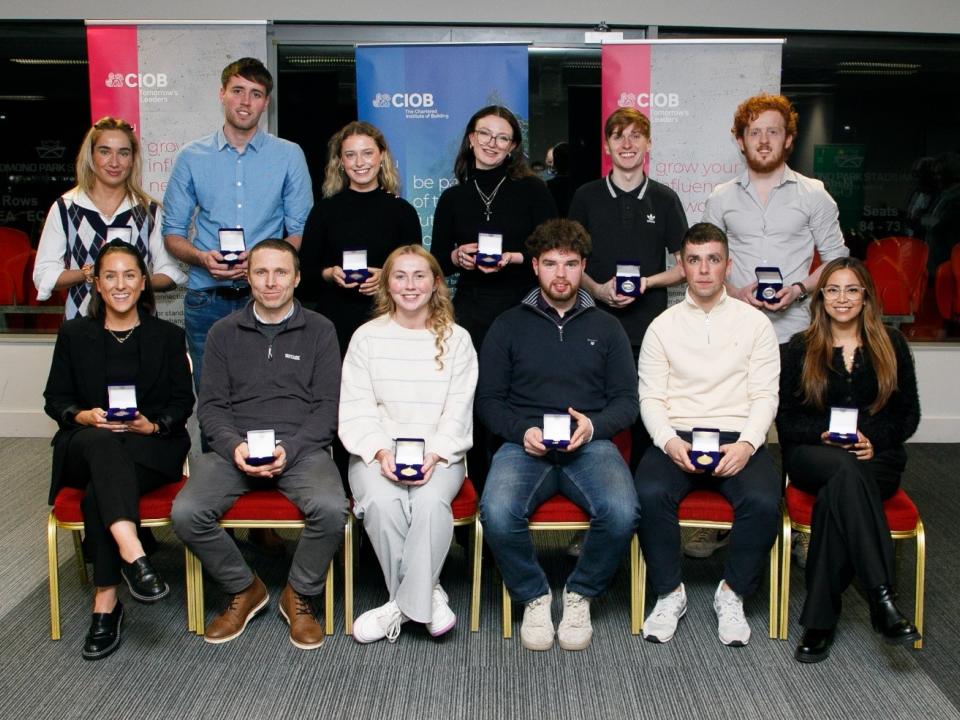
(847, 359)
(108, 198)
(497, 195)
(361, 209)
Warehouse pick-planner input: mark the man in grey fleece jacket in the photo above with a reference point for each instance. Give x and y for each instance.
(272, 365)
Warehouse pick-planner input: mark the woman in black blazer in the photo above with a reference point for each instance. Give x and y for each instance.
(117, 460)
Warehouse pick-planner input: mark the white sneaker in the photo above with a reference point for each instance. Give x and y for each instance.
(704, 542)
(443, 618)
(801, 546)
(536, 632)
(379, 623)
(662, 622)
(575, 630)
(732, 627)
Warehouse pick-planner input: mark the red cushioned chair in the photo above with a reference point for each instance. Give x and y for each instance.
(67, 515)
(12, 242)
(466, 511)
(898, 266)
(709, 509)
(258, 509)
(559, 514)
(902, 518)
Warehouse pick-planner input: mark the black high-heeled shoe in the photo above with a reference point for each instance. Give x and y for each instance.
(144, 582)
(104, 634)
(814, 646)
(887, 620)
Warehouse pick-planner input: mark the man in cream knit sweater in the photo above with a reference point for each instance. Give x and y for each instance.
(708, 362)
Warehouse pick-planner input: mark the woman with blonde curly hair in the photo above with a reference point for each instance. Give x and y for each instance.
(361, 209)
(108, 201)
(847, 359)
(408, 379)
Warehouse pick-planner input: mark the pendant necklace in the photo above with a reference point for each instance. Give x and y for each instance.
(488, 199)
(125, 334)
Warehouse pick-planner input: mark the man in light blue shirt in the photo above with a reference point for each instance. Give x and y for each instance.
(238, 177)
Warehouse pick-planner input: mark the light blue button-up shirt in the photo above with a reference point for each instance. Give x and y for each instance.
(265, 190)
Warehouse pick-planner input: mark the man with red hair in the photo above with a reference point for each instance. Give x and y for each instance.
(773, 217)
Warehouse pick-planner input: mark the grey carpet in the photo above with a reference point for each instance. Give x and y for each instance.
(162, 672)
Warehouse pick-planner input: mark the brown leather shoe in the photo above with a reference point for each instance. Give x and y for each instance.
(267, 541)
(241, 608)
(305, 632)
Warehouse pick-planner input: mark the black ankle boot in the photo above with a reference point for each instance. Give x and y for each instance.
(815, 645)
(104, 634)
(887, 620)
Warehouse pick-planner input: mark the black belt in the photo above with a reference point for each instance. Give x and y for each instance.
(230, 293)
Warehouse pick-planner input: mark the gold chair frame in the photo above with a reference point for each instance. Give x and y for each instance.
(918, 533)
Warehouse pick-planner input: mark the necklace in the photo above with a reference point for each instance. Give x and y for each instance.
(488, 199)
(124, 334)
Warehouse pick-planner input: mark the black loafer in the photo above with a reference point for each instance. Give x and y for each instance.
(814, 646)
(887, 620)
(104, 634)
(144, 582)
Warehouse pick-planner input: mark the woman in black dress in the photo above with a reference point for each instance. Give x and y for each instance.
(847, 359)
(119, 343)
(361, 209)
(497, 194)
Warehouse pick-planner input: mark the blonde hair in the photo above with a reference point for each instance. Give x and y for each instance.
(86, 177)
(440, 320)
(335, 178)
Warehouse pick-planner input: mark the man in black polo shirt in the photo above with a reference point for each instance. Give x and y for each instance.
(630, 217)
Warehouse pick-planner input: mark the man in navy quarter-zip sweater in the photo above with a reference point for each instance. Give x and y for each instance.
(272, 365)
(557, 353)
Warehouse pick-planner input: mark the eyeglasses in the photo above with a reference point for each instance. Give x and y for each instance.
(485, 136)
(851, 292)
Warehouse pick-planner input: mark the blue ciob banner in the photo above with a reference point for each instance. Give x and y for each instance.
(421, 97)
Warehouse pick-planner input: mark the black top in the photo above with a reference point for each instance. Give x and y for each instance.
(78, 381)
(642, 225)
(799, 424)
(375, 221)
(123, 358)
(531, 365)
(519, 206)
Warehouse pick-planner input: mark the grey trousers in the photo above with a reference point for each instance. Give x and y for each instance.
(410, 529)
(312, 483)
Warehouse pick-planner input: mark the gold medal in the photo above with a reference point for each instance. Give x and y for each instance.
(408, 472)
(704, 460)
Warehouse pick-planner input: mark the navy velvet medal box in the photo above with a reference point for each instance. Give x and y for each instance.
(408, 455)
(769, 283)
(705, 448)
(232, 243)
(628, 277)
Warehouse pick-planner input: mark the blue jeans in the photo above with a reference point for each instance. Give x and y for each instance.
(201, 309)
(594, 477)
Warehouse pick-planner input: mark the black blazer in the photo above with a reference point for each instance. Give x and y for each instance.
(78, 382)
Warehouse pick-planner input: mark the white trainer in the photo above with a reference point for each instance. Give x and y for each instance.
(379, 623)
(732, 627)
(704, 542)
(443, 618)
(575, 630)
(662, 623)
(536, 632)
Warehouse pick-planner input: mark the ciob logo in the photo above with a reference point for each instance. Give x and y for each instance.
(403, 100)
(649, 100)
(134, 80)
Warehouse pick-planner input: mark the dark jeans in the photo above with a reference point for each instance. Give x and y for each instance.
(754, 493)
(849, 534)
(99, 461)
(594, 477)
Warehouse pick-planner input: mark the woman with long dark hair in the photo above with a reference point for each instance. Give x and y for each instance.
(361, 209)
(120, 344)
(410, 373)
(848, 359)
(108, 198)
(497, 194)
